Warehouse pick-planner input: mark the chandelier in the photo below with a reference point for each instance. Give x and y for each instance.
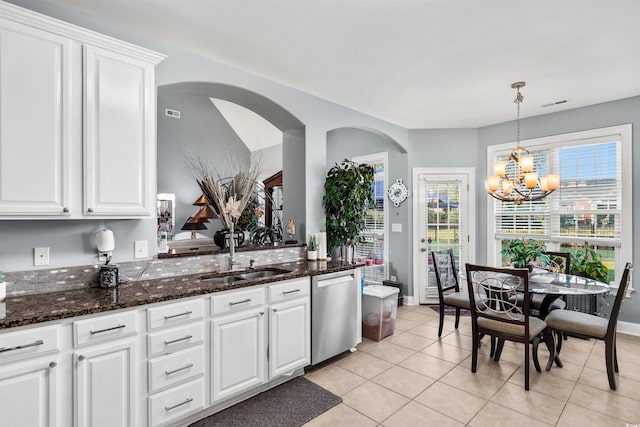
(517, 182)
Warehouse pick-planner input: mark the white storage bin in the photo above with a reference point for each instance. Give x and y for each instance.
(379, 308)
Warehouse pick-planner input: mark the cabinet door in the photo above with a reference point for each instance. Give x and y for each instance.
(119, 140)
(104, 393)
(289, 336)
(35, 115)
(29, 394)
(238, 353)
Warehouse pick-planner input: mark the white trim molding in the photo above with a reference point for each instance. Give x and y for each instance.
(415, 243)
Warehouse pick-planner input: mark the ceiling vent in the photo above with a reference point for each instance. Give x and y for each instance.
(555, 103)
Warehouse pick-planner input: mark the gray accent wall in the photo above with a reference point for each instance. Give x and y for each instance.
(200, 131)
(346, 143)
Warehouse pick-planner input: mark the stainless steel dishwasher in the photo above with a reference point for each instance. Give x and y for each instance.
(334, 316)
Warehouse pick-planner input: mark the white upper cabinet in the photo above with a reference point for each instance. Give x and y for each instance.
(36, 105)
(77, 121)
(119, 133)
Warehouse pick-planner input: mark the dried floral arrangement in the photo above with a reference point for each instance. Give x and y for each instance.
(230, 193)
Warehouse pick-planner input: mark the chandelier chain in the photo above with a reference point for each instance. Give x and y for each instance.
(518, 100)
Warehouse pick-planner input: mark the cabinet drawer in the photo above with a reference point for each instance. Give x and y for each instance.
(176, 403)
(176, 367)
(237, 300)
(104, 328)
(168, 341)
(289, 290)
(173, 314)
(28, 343)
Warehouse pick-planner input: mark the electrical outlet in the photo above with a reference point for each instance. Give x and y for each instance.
(40, 256)
(140, 249)
(393, 278)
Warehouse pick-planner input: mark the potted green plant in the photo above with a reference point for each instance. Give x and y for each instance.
(347, 198)
(521, 253)
(312, 249)
(586, 262)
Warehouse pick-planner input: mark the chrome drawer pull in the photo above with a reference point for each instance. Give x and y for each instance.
(187, 366)
(107, 329)
(189, 400)
(20, 347)
(186, 313)
(232, 303)
(186, 337)
(290, 292)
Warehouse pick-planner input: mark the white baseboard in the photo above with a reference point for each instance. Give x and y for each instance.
(409, 300)
(629, 328)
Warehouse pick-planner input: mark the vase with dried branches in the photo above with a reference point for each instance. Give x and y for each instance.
(228, 194)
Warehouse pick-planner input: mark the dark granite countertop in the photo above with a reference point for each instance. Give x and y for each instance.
(29, 309)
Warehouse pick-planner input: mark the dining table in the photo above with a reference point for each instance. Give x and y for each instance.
(555, 285)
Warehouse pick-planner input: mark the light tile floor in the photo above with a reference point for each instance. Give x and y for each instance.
(414, 378)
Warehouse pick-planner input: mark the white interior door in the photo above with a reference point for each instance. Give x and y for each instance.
(442, 207)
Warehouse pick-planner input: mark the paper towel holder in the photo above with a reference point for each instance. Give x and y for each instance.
(105, 243)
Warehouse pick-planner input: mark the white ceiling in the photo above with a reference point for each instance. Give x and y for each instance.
(252, 129)
(416, 63)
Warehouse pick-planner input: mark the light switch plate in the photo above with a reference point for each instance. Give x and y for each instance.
(140, 249)
(396, 227)
(40, 256)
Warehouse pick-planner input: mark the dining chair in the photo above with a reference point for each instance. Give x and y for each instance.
(449, 294)
(586, 325)
(492, 293)
(558, 262)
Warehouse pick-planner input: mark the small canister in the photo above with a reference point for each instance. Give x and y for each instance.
(108, 276)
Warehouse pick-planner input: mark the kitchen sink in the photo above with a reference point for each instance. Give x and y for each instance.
(223, 280)
(264, 273)
(239, 276)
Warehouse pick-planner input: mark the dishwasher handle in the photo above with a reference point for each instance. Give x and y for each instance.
(334, 281)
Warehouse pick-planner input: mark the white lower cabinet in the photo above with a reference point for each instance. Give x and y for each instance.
(29, 393)
(104, 392)
(176, 403)
(95, 371)
(237, 353)
(177, 363)
(289, 340)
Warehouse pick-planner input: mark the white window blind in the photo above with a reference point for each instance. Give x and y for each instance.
(591, 194)
(373, 245)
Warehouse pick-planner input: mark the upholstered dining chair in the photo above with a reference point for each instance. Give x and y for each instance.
(559, 262)
(449, 294)
(590, 326)
(492, 293)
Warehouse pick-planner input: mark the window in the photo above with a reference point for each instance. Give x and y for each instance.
(593, 203)
(374, 249)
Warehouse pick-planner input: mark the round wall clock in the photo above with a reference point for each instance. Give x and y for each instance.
(398, 192)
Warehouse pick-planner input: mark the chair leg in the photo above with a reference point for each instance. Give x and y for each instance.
(474, 352)
(550, 342)
(457, 317)
(534, 350)
(441, 324)
(498, 352)
(559, 345)
(492, 350)
(526, 366)
(615, 355)
(609, 350)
